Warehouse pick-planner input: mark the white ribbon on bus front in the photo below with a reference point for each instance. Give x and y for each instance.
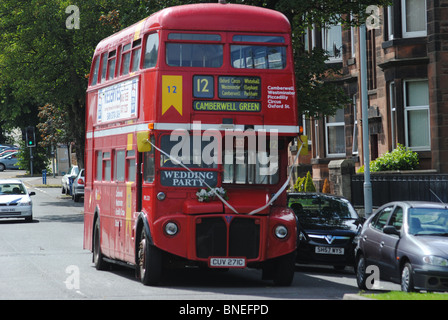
(283, 187)
(185, 167)
(221, 198)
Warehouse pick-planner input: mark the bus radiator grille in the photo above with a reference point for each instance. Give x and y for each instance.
(243, 238)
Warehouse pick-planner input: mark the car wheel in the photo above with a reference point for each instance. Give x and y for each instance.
(361, 273)
(407, 280)
(2, 167)
(149, 262)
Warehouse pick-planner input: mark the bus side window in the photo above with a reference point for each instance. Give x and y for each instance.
(107, 166)
(119, 165)
(99, 166)
(126, 59)
(111, 65)
(136, 53)
(103, 66)
(130, 164)
(96, 67)
(151, 50)
(149, 164)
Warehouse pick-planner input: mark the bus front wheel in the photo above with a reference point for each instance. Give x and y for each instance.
(149, 262)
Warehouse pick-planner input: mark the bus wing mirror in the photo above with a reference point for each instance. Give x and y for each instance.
(143, 144)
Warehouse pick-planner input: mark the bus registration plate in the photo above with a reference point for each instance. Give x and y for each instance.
(217, 262)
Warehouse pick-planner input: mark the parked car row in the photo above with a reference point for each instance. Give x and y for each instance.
(8, 157)
(404, 242)
(73, 183)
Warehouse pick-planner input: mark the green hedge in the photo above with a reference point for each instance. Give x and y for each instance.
(400, 158)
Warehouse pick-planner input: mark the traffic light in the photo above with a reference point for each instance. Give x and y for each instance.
(30, 137)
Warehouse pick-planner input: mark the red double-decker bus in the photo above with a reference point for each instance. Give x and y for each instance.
(189, 116)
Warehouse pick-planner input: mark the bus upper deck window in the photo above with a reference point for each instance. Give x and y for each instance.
(111, 65)
(96, 70)
(103, 66)
(126, 59)
(151, 51)
(136, 53)
(188, 54)
(255, 55)
(194, 36)
(194, 55)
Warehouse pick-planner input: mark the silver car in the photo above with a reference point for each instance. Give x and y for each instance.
(15, 201)
(405, 242)
(9, 161)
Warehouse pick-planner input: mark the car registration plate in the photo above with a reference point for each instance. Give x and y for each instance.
(330, 250)
(7, 210)
(217, 262)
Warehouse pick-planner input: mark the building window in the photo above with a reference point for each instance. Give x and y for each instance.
(413, 13)
(355, 127)
(393, 115)
(390, 23)
(332, 42)
(416, 104)
(335, 134)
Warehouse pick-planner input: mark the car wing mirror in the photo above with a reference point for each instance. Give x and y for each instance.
(32, 193)
(391, 230)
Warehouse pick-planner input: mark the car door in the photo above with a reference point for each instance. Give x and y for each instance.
(389, 243)
(372, 237)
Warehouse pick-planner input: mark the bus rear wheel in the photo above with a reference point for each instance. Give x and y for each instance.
(98, 258)
(149, 262)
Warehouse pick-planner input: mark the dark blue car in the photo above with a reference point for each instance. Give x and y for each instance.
(328, 226)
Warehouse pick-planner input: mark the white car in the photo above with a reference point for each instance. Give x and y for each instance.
(15, 201)
(74, 170)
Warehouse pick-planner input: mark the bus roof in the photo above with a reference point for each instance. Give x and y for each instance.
(206, 17)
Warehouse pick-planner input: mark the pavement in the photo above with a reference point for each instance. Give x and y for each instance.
(34, 181)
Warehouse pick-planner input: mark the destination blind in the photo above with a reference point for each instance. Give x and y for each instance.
(233, 87)
(228, 106)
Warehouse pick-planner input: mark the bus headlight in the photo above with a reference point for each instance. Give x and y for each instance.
(171, 228)
(281, 231)
(161, 196)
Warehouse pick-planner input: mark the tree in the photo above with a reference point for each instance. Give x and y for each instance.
(317, 95)
(44, 62)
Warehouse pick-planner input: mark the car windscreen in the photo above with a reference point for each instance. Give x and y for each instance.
(428, 221)
(315, 209)
(12, 188)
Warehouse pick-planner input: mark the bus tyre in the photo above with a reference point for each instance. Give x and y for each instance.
(98, 258)
(284, 269)
(149, 262)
